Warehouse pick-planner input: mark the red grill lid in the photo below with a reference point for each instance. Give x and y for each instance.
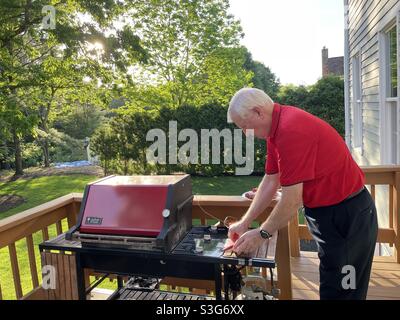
(123, 205)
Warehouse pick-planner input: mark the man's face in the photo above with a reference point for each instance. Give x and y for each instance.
(257, 121)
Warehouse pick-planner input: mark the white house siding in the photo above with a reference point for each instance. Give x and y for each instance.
(366, 18)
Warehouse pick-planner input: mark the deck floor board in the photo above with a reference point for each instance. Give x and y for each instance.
(384, 283)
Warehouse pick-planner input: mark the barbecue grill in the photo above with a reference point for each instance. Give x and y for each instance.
(135, 212)
(141, 226)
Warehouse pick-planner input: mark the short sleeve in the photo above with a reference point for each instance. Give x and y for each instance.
(297, 158)
(271, 166)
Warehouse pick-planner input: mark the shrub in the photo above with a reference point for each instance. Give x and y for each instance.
(128, 130)
(31, 154)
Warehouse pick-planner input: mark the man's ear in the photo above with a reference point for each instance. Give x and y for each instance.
(258, 111)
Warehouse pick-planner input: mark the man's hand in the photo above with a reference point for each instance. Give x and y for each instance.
(248, 242)
(237, 229)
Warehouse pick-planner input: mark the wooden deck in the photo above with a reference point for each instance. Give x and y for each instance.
(384, 283)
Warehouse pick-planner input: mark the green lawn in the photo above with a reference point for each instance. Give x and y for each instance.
(224, 185)
(39, 190)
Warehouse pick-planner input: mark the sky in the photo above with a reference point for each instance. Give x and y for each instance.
(288, 35)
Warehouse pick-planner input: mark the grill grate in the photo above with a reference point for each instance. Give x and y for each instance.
(129, 294)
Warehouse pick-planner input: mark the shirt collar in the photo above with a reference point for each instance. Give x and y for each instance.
(276, 114)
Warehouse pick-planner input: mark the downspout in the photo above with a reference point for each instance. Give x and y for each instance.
(346, 74)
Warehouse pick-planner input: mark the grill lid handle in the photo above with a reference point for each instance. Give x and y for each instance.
(165, 213)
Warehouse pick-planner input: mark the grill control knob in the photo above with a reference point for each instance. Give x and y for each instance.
(166, 213)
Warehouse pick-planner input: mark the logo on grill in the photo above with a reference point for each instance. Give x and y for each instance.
(94, 220)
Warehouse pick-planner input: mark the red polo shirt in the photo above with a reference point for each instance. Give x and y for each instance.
(304, 148)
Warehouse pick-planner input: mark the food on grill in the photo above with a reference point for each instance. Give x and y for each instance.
(252, 193)
(229, 243)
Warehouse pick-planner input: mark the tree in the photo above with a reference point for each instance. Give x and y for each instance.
(104, 144)
(263, 78)
(4, 137)
(293, 95)
(62, 88)
(79, 120)
(181, 36)
(25, 44)
(222, 74)
(326, 100)
(18, 121)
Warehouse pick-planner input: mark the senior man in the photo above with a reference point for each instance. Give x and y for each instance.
(312, 164)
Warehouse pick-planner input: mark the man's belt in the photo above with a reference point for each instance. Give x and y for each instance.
(354, 194)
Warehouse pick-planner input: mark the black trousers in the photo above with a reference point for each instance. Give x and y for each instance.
(346, 237)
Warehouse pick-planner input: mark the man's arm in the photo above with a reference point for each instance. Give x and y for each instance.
(282, 213)
(264, 195)
(291, 201)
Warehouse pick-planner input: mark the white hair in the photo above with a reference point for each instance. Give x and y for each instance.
(247, 99)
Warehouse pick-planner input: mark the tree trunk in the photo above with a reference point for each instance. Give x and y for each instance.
(18, 155)
(44, 114)
(3, 162)
(46, 156)
(16, 141)
(144, 161)
(125, 167)
(105, 168)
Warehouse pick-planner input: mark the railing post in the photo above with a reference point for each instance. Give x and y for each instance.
(283, 264)
(72, 212)
(396, 217)
(391, 212)
(32, 260)
(294, 236)
(15, 270)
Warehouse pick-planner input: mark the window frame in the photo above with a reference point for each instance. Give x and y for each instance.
(388, 138)
(357, 95)
(388, 68)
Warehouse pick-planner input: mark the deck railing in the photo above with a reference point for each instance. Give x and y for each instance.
(388, 176)
(54, 214)
(26, 229)
(23, 227)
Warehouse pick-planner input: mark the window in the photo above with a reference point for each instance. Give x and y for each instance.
(393, 130)
(390, 111)
(357, 103)
(392, 104)
(392, 59)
